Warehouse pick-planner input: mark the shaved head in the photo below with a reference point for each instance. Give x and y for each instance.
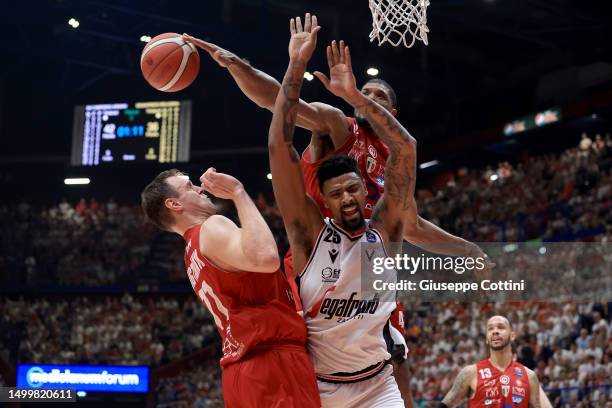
(497, 318)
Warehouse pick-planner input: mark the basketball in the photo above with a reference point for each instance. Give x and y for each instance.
(168, 63)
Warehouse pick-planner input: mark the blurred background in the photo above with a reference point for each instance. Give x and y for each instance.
(511, 104)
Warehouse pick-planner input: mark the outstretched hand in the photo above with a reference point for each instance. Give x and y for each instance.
(221, 56)
(303, 39)
(342, 81)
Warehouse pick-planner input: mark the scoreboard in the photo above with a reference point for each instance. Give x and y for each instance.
(158, 132)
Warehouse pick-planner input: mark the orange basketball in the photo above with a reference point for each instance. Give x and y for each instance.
(168, 63)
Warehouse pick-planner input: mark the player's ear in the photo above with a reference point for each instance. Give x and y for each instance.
(394, 112)
(512, 336)
(172, 204)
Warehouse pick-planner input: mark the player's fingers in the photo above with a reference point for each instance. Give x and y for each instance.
(292, 26)
(208, 172)
(322, 78)
(199, 43)
(335, 54)
(315, 21)
(330, 58)
(298, 24)
(347, 58)
(307, 23)
(341, 53)
(314, 31)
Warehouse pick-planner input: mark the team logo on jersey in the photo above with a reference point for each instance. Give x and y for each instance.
(370, 237)
(346, 309)
(517, 400)
(505, 390)
(372, 151)
(518, 372)
(504, 379)
(520, 391)
(330, 274)
(490, 383)
(231, 347)
(370, 165)
(333, 254)
(380, 180)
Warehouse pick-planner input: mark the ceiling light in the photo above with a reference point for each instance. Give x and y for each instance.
(269, 176)
(372, 71)
(428, 164)
(308, 76)
(76, 181)
(145, 38)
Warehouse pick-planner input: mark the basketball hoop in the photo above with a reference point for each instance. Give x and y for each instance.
(399, 21)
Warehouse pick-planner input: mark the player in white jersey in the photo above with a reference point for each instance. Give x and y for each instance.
(346, 329)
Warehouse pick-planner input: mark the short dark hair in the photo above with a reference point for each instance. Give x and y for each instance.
(336, 166)
(154, 195)
(384, 83)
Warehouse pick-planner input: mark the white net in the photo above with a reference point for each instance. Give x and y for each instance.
(399, 21)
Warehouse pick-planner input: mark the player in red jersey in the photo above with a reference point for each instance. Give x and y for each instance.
(499, 381)
(235, 272)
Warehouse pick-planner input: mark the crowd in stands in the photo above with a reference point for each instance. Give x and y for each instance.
(89, 243)
(103, 330)
(555, 196)
(197, 388)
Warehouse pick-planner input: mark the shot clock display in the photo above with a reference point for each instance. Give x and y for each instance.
(141, 132)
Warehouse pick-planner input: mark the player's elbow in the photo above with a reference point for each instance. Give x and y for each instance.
(268, 261)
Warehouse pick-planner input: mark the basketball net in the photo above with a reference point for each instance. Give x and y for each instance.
(399, 21)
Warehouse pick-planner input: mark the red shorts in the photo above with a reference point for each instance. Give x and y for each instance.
(275, 376)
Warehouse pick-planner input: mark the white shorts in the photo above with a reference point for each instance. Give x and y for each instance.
(379, 391)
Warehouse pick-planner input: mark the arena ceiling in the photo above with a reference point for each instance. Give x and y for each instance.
(488, 61)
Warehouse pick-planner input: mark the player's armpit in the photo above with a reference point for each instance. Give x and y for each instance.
(461, 387)
(221, 242)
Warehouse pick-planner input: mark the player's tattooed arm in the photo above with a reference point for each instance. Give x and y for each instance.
(461, 387)
(263, 89)
(534, 387)
(393, 209)
(301, 216)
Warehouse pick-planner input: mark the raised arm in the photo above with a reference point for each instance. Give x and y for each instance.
(461, 387)
(262, 89)
(393, 210)
(301, 216)
(249, 248)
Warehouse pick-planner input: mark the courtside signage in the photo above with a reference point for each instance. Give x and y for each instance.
(84, 378)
